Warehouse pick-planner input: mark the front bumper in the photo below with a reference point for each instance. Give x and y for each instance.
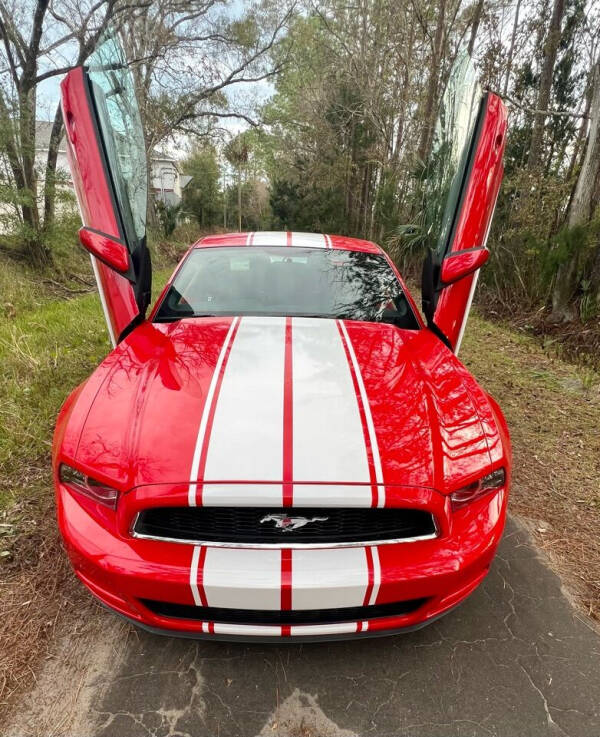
(124, 572)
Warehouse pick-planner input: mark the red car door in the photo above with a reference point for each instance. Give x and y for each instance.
(106, 153)
(462, 181)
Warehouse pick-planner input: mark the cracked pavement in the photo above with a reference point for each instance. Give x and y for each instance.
(514, 659)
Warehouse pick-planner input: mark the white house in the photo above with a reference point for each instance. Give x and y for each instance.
(167, 181)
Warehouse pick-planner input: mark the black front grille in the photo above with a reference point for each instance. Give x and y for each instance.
(259, 525)
(275, 617)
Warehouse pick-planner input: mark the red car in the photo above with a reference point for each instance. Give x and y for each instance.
(283, 447)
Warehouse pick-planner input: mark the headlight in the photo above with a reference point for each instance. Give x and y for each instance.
(494, 480)
(88, 486)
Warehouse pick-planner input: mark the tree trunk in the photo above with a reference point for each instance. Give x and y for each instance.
(50, 178)
(475, 26)
(543, 99)
(511, 50)
(595, 278)
(583, 204)
(239, 198)
(9, 144)
(35, 247)
(432, 84)
(581, 134)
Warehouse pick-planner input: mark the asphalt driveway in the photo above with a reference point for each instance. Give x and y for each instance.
(515, 659)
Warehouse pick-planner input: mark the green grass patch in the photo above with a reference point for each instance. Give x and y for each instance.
(45, 352)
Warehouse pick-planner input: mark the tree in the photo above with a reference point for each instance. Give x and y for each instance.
(543, 98)
(36, 36)
(584, 204)
(237, 154)
(202, 196)
(355, 106)
(475, 26)
(511, 49)
(168, 216)
(429, 110)
(185, 54)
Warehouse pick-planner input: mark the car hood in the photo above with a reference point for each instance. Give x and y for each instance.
(299, 405)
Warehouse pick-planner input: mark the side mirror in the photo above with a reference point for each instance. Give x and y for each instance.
(462, 263)
(110, 251)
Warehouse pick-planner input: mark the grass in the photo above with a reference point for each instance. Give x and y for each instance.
(553, 411)
(50, 342)
(45, 352)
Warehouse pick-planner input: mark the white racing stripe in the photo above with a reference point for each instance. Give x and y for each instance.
(328, 437)
(329, 579)
(246, 442)
(205, 414)
(246, 445)
(270, 238)
(368, 417)
(332, 495)
(280, 238)
(339, 628)
(242, 579)
(309, 240)
(247, 494)
(247, 630)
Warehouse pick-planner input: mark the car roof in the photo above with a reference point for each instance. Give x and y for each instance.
(288, 238)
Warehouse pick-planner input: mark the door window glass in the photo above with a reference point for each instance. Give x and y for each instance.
(449, 156)
(121, 130)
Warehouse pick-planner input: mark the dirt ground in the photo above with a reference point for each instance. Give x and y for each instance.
(553, 412)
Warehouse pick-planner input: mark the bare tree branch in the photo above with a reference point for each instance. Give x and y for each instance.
(535, 111)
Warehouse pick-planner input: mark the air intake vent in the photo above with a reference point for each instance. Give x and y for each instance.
(275, 617)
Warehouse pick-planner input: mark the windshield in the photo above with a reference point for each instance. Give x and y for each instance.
(287, 281)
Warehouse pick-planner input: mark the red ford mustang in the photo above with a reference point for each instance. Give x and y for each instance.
(283, 447)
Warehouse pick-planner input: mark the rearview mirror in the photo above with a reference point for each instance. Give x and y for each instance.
(462, 263)
(110, 251)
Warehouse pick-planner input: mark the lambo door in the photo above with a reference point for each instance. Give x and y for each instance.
(462, 179)
(106, 152)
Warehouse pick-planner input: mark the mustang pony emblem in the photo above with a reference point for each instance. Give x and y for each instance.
(286, 524)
